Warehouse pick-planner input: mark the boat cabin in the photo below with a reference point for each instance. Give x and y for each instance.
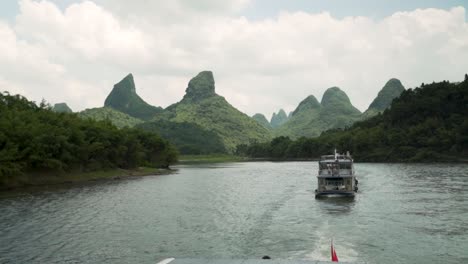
(336, 175)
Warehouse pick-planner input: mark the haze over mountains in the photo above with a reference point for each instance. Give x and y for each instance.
(278, 118)
(204, 122)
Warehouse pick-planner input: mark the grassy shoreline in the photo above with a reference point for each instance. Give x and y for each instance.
(56, 178)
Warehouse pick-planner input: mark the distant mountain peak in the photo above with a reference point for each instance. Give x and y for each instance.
(277, 119)
(203, 107)
(201, 86)
(62, 108)
(261, 119)
(393, 80)
(309, 103)
(310, 118)
(124, 98)
(127, 83)
(333, 95)
(125, 87)
(392, 89)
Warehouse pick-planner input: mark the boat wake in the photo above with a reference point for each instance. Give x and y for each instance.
(321, 252)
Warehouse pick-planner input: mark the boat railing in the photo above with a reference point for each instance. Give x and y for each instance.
(333, 157)
(340, 172)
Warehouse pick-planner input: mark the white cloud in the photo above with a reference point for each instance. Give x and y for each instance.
(77, 54)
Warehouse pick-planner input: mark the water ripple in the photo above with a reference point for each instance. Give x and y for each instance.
(404, 213)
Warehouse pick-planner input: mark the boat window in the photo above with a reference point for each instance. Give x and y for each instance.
(334, 181)
(346, 166)
(328, 166)
(333, 165)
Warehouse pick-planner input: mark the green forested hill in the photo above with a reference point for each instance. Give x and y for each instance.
(189, 138)
(124, 98)
(261, 119)
(337, 110)
(311, 117)
(429, 123)
(277, 119)
(391, 90)
(117, 118)
(304, 121)
(62, 108)
(203, 107)
(35, 139)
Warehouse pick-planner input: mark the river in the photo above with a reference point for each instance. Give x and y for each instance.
(403, 213)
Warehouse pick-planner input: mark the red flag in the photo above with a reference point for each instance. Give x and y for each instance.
(334, 257)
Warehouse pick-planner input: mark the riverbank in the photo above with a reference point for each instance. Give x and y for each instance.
(54, 178)
(215, 158)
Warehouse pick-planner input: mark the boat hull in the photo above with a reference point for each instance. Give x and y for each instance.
(334, 193)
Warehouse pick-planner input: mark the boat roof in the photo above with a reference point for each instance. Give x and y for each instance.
(241, 261)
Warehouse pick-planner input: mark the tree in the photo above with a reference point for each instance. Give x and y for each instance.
(34, 138)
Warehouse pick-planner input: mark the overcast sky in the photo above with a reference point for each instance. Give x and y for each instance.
(265, 54)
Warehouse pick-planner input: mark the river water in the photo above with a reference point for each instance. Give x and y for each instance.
(403, 213)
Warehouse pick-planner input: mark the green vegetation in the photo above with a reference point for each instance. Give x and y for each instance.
(34, 139)
(425, 124)
(304, 120)
(311, 118)
(125, 99)
(200, 87)
(335, 98)
(391, 90)
(310, 103)
(278, 119)
(62, 108)
(190, 159)
(337, 110)
(261, 119)
(189, 138)
(117, 118)
(203, 107)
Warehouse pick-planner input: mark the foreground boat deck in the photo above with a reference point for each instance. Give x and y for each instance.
(242, 261)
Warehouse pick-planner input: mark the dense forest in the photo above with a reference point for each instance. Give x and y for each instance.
(33, 138)
(189, 138)
(429, 123)
(117, 118)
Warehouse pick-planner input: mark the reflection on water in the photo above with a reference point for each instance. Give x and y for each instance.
(403, 213)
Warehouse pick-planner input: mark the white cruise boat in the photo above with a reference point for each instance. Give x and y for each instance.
(336, 176)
